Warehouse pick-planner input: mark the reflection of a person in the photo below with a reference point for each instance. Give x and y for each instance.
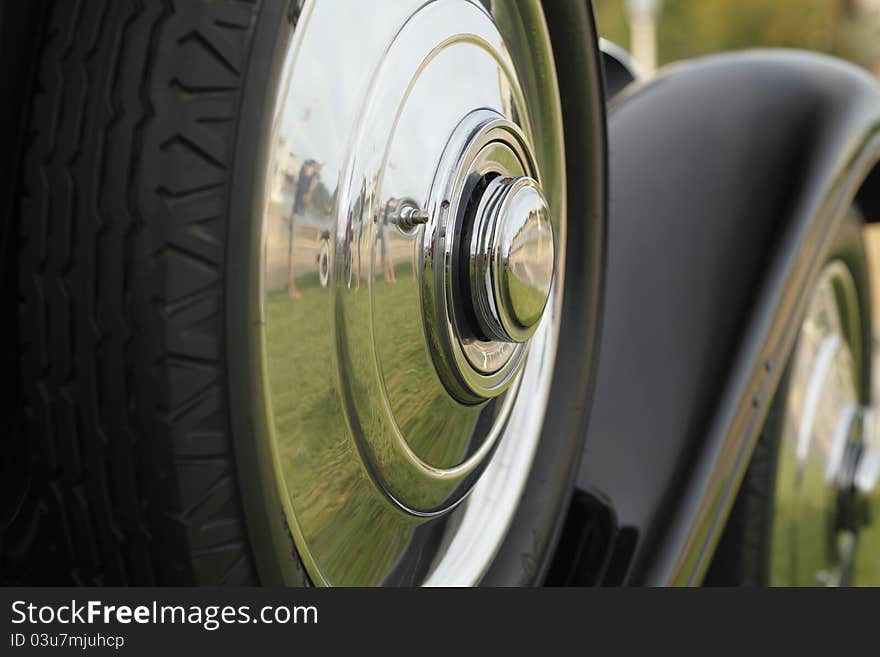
(305, 186)
(387, 263)
(358, 216)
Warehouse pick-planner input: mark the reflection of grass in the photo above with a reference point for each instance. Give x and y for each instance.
(348, 529)
(810, 534)
(867, 565)
(799, 520)
(423, 410)
(349, 526)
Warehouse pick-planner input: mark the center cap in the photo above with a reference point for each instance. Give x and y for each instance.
(512, 259)
(488, 257)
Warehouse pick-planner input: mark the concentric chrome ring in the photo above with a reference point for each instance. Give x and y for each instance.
(483, 146)
(390, 440)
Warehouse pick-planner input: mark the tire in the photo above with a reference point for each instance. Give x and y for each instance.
(121, 297)
(742, 557)
(136, 187)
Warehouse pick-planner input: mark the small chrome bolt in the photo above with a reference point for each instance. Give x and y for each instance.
(410, 217)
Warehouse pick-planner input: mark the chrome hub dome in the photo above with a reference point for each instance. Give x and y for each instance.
(512, 259)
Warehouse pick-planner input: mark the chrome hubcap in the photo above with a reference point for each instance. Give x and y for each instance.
(413, 227)
(826, 458)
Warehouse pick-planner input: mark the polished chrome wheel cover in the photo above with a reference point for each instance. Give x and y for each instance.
(827, 457)
(413, 232)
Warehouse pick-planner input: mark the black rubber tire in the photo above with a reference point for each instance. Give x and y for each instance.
(742, 555)
(137, 201)
(121, 312)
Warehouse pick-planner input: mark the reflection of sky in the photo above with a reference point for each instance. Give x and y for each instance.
(329, 85)
(329, 80)
(425, 124)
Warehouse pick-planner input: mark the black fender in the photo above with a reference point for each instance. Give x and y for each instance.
(727, 176)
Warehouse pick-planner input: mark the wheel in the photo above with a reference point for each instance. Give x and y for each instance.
(308, 293)
(799, 517)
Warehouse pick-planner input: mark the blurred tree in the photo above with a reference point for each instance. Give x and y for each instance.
(689, 28)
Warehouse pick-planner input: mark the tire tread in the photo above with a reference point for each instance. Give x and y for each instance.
(121, 307)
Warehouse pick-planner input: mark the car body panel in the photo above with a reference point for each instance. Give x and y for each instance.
(727, 175)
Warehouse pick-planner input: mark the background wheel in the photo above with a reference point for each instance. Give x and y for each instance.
(232, 371)
(797, 518)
